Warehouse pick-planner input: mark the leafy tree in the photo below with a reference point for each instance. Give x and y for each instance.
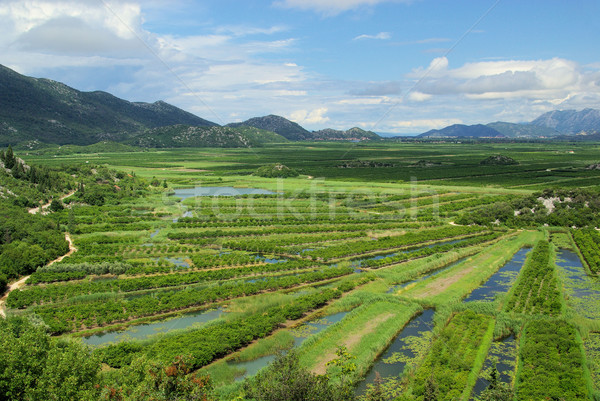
(286, 380)
(35, 367)
(148, 380)
(9, 158)
(56, 205)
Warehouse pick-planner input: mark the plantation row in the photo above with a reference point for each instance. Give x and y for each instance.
(61, 292)
(536, 291)
(411, 238)
(270, 230)
(103, 309)
(551, 363)
(588, 242)
(422, 252)
(418, 202)
(279, 246)
(293, 220)
(452, 357)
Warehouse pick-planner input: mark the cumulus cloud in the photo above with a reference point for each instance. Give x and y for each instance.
(547, 80)
(379, 36)
(331, 7)
(316, 116)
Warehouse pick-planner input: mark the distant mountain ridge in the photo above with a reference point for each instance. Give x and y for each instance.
(46, 111)
(52, 112)
(570, 121)
(353, 134)
(280, 125)
(553, 124)
(461, 130)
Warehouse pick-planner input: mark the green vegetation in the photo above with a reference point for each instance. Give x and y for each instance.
(588, 242)
(460, 346)
(270, 270)
(498, 160)
(551, 362)
(276, 171)
(536, 291)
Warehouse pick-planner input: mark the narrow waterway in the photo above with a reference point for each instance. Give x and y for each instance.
(582, 290)
(502, 280)
(405, 347)
(143, 331)
(502, 354)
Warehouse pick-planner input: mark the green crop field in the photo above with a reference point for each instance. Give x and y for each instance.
(176, 263)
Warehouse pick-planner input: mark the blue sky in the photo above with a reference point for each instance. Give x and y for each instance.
(387, 65)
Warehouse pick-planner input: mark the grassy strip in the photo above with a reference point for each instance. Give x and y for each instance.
(454, 284)
(479, 360)
(366, 332)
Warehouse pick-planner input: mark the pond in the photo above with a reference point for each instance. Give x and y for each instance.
(143, 331)
(412, 341)
(502, 280)
(582, 290)
(185, 193)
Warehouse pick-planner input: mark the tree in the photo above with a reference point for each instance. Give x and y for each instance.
(71, 225)
(286, 380)
(148, 380)
(9, 158)
(40, 368)
(56, 205)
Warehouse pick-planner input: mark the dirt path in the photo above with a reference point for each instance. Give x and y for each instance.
(352, 340)
(72, 250)
(35, 210)
(21, 283)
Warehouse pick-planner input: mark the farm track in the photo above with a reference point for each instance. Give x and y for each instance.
(35, 210)
(21, 283)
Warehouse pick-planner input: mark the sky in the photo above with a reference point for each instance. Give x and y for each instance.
(391, 66)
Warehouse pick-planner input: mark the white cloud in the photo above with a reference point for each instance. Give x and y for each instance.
(419, 96)
(366, 101)
(316, 116)
(379, 36)
(547, 80)
(331, 7)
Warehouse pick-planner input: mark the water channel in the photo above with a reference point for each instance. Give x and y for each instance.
(503, 354)
(185, 193)
(406, 345)
(502, 280)
(583, 291)
(143, 331)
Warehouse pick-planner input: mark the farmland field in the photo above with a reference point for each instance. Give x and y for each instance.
(337, 258)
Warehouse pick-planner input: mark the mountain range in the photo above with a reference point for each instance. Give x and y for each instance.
(553, 124)
(45, 111)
